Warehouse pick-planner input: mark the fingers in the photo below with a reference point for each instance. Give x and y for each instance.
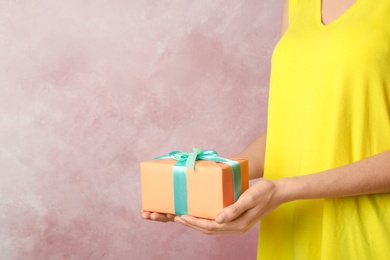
(203, 225)
(161, 217)
(145, 214)
(210, 227)
(157, 216)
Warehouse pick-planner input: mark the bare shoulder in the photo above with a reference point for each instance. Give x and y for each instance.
(284, 22)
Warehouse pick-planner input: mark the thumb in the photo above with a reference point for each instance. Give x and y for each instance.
(231, 212)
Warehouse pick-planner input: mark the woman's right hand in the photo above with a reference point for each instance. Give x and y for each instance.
(157, 216)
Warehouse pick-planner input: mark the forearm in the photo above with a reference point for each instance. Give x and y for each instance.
(368, 176)
(255, 153)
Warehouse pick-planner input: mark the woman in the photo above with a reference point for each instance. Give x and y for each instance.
(326, 165)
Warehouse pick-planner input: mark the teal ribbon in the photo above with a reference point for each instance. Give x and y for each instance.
(185, 160)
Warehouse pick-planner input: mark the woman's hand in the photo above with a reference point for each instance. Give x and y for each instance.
(257, 201)
(157, 216)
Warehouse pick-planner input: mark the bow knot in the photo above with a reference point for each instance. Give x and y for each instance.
(190, 158)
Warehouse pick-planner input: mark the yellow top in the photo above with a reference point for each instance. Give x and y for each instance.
(329, 106)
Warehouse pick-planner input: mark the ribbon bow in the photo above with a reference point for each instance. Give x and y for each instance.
(190, 158)
(185, 160)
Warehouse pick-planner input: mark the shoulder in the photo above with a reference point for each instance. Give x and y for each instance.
(294, 5)
(289, 10)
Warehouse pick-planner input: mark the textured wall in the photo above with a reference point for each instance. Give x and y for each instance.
(88, 89)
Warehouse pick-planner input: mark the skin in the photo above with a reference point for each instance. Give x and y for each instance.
(332, 9)
(266, 195)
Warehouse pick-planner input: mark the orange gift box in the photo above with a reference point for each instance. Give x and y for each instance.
(209, 186)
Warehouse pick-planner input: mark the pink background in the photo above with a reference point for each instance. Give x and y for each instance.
(88, 89)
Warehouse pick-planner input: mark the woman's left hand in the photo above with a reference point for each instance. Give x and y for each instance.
(253, 204)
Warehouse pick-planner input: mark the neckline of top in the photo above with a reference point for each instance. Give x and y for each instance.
(336, 20)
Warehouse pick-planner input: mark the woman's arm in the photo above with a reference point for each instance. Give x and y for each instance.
(368, 176)
(255, 153)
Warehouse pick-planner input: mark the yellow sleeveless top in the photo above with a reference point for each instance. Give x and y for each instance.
(329, 106)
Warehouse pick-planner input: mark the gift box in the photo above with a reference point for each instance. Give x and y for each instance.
(199, 184)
